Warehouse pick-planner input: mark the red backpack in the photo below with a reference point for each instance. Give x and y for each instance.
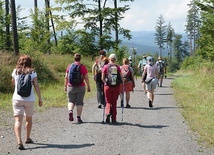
(126, 73)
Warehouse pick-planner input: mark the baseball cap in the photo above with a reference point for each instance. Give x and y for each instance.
(113, 56)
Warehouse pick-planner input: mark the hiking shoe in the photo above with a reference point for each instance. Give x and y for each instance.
(71, 118)
(108, 118)
(128, 106)
(150, 104)
(99, 106)
(114, 122)
(21, 146)
(79, 120)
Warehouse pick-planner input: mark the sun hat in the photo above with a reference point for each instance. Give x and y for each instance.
(159, 58)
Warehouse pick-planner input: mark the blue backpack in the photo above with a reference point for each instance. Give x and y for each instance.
(24, 85)
(75, 77)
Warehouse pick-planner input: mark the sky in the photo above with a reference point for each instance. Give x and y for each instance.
(143, 14)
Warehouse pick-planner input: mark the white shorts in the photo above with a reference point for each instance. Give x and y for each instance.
(23, 108)
(152, 84)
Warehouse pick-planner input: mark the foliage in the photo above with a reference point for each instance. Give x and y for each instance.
(160, 35)
(194, 90)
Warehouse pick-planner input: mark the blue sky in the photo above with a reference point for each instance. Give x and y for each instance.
(143, 13)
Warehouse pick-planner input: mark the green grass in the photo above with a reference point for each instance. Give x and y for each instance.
(195, 95)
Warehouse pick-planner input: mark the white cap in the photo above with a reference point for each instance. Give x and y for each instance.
(112, 56)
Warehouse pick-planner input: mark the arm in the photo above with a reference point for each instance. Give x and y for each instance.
(66, 82)
(94, 71)
(87, 82)
(144, 73)
(36, 86)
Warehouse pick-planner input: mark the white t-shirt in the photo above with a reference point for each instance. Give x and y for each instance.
(16, 96)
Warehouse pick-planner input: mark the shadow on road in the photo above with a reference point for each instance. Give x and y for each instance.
(60, 146)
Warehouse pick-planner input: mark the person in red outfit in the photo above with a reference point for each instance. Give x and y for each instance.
(111, 91)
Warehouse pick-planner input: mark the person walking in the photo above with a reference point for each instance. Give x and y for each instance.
(151, 73)
(128, 79)
(161, 70)
(112, 78)
(142, 63)
(23, 106)
(96, 72)
(76, 77)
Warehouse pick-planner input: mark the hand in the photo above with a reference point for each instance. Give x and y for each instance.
(95, 78)
(88, 89)
(40, 102)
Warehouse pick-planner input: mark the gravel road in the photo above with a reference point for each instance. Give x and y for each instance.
(160, 130)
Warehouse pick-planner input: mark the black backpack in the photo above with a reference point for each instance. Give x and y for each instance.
(113, 77)
(24, 85)
(75, 77)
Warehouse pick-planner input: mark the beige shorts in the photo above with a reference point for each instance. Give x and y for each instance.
(25, 108)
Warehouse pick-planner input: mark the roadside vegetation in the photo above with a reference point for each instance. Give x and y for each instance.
(194, 92)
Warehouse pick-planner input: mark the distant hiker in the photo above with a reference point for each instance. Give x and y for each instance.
(161, 70)
(151, 79)
(96, 72)
(24, 105)
(76, 77)
(128, 79)
(142, 63)
(111, 77)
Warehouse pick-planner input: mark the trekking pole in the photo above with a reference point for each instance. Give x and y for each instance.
(122, 101)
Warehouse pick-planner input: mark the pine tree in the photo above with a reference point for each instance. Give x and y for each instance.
(160, 35)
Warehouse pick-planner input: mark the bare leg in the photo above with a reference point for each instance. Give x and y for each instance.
(79, 110)
(28, 126)
(127, 98)
(18, 127)
(70, 106)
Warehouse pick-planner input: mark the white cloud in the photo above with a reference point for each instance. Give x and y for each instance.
(143, 13)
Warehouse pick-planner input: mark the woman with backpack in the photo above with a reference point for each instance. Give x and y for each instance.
(76, 78)
(151, 74)
(128, 79)
(24, 78)
(112, 78)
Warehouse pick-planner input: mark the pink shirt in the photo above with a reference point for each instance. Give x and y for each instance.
(83, 72)
(150, 70)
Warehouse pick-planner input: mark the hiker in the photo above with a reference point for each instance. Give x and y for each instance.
(161, 70)
(76, 77)
(151, 73)
(142, 63)
(128, 79)
(96, 72)
(23, 106)
(111, 77)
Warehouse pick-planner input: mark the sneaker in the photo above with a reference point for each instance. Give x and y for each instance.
(108, 118)
(79, 120)
(71, 118)
(150, 104)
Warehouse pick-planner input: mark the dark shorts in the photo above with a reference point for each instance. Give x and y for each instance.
(76, 95)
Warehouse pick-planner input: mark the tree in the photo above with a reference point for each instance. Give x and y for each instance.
(97, 18)
(160, 35)
(7, 20)
(206, 41)
(193, 24)
(169, 41)
(14, 27)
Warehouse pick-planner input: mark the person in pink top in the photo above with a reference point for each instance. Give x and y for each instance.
(151, 73)
(76, 93)
(111, 87)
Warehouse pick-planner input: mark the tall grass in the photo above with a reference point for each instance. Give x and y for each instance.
(194, 91)
(51, 72)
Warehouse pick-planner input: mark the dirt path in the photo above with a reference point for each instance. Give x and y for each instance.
(144, 131)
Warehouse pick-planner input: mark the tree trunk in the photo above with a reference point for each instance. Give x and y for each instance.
(8, 42)
(101, 24)
(116, 27)
(47, 7)
(14, 28)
